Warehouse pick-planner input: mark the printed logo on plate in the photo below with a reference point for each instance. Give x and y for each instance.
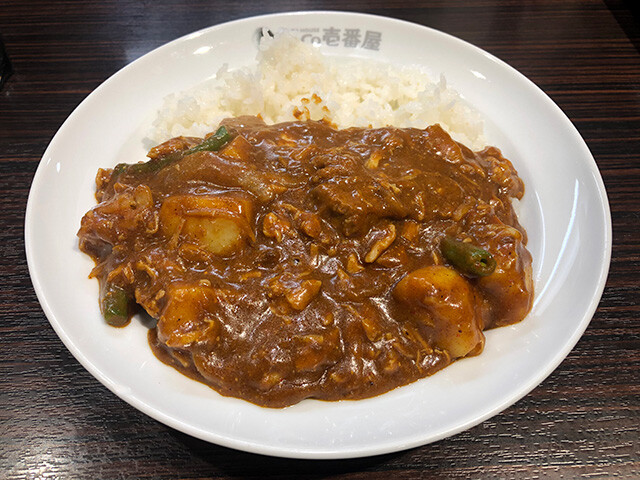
(336, 37)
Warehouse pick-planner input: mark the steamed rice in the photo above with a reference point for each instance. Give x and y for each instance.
(293, 80)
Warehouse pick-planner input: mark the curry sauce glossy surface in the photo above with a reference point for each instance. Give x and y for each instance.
(300, 261)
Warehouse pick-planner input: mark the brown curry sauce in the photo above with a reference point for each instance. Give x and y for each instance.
(301, 261)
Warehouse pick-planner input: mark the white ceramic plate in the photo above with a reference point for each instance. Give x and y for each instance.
(565, 211)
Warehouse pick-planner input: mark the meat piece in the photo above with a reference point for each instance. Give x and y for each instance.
(359, 201)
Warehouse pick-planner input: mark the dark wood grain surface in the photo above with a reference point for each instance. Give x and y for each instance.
(57, 421)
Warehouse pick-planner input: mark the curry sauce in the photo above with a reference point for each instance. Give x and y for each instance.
(300, 261)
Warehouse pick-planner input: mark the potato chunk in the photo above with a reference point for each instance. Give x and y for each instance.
(239, 148)
(187, 317)
(445, 303)
(218, 224)
(508, 290)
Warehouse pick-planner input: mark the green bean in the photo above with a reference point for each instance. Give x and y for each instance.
(155, 165)
(213, 143)
(115, 306)
(467, 258)
(119, 168)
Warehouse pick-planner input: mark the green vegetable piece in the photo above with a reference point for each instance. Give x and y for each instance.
(467, 258)
(213, 143)
(119, 168)
(115, 306)
(153, 166)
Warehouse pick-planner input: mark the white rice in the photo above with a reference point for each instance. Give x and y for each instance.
(292, 76)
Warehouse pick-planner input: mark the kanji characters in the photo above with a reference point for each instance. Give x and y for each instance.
(331, 36)
(351, 37)
(372, 40)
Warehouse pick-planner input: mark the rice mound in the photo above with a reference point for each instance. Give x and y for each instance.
(294, 81)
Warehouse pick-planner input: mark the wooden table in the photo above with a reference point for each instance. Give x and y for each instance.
(57, 421)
